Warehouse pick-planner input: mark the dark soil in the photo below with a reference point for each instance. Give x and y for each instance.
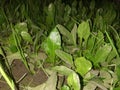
(19, 70)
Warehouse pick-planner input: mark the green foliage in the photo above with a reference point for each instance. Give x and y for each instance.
(50, 14)
(82, 65)
(63, 70)
(79, 38)
(67, 58)
(118, 71)
(73, 81)
(52, 43)
(83, 31)
(4, 73)
(102, 53)
(65, 88)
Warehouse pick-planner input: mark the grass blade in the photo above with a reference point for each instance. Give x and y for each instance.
(110, 40)
(17, 41)
(4, 70)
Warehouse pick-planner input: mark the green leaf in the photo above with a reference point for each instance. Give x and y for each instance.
(112, 44)
(73, 81)
(111, 56)
(50, 14)
(118, 72)
(73, 33)
(64, 31)
(52, 43)
(12, 44)
(100, 39)
(65, 57)
(65, 87)
(13, 48)
(18, 45)
(84, 31)
(102, 53)
(21, 27)
(91, 43)
(62, 70)
(5, 73)
(82, 65)
(26, 36)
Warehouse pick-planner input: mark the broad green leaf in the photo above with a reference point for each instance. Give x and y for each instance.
(82, 65)
(26, 36)
(63, 70)
(73, 33)
(50, 14)
(91, 43)
(21, 27)
(64, 31)
(74, 81)
(12, 41)
(84, 31)
(12, 44)
(65, 87)
(52, 43)
(67, 58)
(102, 53)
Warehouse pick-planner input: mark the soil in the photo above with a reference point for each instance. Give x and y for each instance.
(19, 70)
